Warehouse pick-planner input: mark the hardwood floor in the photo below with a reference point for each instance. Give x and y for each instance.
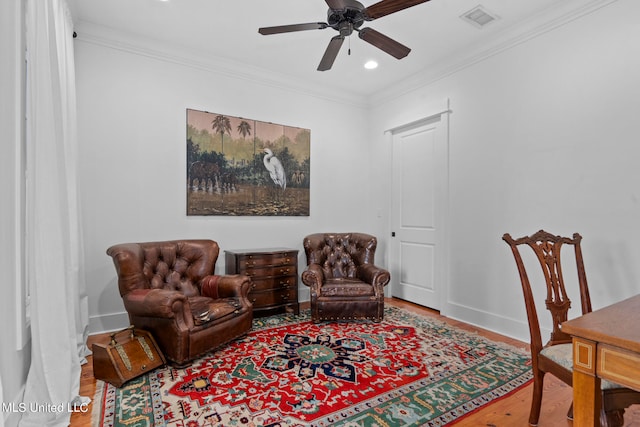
(511, 411)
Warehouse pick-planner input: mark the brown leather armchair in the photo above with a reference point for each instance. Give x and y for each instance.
(169, 289)
(344, 282)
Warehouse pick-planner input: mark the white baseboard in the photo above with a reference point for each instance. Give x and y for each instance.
(511, 328)
(108, 322)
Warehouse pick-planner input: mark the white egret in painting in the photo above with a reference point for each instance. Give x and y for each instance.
(276, 171)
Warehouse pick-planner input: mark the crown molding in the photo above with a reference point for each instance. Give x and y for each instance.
(542, 23)
(565, 12)
(138, 45)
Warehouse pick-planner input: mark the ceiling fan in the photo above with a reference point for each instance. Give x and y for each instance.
(346, 16)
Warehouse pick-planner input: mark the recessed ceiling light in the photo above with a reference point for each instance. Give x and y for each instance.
(370, 65)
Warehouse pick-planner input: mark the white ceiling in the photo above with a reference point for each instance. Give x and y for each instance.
(227, 31)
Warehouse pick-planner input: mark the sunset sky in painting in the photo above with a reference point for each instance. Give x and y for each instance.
(264, 130)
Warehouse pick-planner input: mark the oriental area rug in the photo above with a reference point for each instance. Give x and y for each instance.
(408, 370)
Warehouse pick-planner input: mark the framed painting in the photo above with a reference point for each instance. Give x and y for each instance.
(243, 167)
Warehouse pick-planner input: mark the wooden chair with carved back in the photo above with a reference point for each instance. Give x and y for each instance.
(555, 356)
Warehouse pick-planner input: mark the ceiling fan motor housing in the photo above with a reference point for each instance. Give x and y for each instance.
(348, 19)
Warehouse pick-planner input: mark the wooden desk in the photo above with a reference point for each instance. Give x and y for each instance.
(606, 344)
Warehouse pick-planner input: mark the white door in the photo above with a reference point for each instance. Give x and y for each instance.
(419, 199)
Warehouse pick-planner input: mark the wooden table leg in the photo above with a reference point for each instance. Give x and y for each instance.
(587, 397)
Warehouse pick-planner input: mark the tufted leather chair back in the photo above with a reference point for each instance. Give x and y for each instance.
(173, 265)
(169, 289)
(340, 254)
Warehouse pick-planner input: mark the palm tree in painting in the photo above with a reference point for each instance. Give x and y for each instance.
(244, 129)
(221, 124)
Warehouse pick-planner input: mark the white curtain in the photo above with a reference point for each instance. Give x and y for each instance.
(59, 311)
(1, 400)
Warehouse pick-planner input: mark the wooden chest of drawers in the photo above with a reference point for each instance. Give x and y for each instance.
(274, 273)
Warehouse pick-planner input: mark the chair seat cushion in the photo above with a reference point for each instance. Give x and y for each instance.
(206, 309)
(562, 354)
(345, 287)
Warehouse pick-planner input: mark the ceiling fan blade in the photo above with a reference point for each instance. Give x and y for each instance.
(379, 40)
(387, 7)
(291, 28)
(331, 53)
(336, 4)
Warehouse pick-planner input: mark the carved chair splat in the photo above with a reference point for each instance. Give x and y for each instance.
(555, 356)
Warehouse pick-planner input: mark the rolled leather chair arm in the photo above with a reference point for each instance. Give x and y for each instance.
(378, 277)
(313, 277)
(155, 303)
(232, 285)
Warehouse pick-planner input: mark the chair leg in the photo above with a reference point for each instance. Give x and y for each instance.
(536, 401)
(613, 418)
(182, 365)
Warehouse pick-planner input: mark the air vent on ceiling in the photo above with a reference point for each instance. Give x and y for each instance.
(479, 16)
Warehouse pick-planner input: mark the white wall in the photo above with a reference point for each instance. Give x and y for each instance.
(543, 135)
(132, 109)
(14, 350)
